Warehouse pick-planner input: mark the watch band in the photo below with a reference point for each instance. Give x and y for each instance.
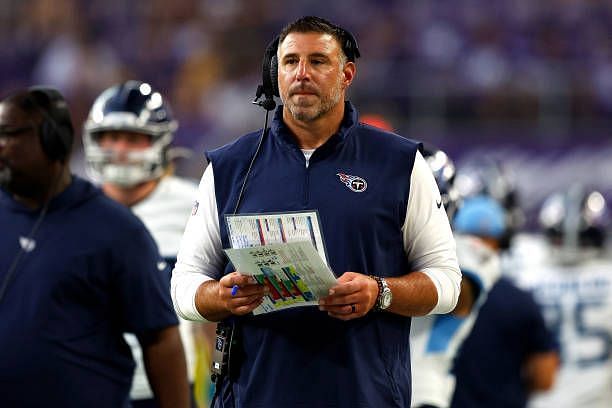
(379, 282)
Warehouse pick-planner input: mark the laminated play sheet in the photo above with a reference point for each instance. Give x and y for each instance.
(284, 251)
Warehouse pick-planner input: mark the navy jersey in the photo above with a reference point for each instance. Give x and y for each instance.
(90, 273)
(164, 212)
(488, 367)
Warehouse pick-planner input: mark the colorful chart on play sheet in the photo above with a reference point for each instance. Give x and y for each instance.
(275, 228)
(294, 273)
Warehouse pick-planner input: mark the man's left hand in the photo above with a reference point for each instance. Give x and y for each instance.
(353, 296)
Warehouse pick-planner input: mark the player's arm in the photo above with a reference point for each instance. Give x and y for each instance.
(433, 285)
(542, 361)
(164, 360)
(198, 290)
(467, 297)
(146, 310)
(540, 370)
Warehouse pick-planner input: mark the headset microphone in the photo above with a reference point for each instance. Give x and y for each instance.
(268, 89)
(268, 103)
(269, 72)
(269, 78)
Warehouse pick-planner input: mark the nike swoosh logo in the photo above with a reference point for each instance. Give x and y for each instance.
(439, 203)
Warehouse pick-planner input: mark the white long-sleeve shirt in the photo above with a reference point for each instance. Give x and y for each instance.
(427, 237)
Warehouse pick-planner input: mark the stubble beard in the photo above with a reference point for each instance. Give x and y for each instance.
(312, 113)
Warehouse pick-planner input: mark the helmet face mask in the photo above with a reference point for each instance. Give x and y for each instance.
(488, 177)
(127, 168)
(129, 107)
(575, 220)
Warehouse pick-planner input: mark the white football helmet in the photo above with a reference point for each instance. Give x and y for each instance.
(132, 107)
(443, 169)
(576, 217)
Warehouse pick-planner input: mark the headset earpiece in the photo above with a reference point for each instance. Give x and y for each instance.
(274, 73)
(56, 132)
(349, 46)
(269, 72)
(269, 78)
(56, 141)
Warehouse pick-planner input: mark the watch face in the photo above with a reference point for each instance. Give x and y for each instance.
(385, 299)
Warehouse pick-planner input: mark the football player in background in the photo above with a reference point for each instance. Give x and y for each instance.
(509, 353)
(573, 286)
(434, 340)
(127, 139)
(488, 176)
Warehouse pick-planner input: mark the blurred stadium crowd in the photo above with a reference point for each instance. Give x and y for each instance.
(528, 81)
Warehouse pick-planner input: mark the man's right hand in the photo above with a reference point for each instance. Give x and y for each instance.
(240, 294)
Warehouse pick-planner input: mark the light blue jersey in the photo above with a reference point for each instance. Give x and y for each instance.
(576, 300)
(434, 339)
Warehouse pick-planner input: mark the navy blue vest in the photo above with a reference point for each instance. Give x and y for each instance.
(302, 357)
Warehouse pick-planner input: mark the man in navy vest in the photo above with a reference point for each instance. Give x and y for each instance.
(387, 236)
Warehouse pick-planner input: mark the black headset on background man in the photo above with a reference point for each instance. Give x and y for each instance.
(56, 136)
(56, 131)
(269, 74)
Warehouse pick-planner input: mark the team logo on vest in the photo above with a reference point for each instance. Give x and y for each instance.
(354, 183)
(194, 209)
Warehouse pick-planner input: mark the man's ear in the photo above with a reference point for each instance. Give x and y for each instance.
(349, 71)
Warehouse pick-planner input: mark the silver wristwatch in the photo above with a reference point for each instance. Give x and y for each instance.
(383, 301)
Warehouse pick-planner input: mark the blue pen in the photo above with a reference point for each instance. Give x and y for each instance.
(234, 290)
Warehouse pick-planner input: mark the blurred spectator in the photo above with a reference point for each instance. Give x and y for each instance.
(484, 60)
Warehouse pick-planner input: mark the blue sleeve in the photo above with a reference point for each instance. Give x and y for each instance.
(142, 283)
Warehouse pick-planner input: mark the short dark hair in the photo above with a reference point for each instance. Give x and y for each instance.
(48, 105)
(23, 100)
(46, 102)
(314, 24)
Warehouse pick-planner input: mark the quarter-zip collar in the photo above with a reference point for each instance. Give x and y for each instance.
(281, 132)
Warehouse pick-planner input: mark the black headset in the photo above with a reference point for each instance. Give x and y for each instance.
(269, 71)
(56, 131)
(269, 88)
(56, 136)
